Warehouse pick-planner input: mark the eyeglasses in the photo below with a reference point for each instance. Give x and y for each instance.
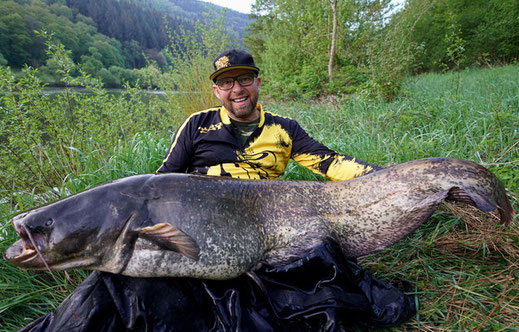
(227, 83)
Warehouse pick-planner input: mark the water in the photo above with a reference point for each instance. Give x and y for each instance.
(56, 90)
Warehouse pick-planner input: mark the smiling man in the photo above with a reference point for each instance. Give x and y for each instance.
(242, 140)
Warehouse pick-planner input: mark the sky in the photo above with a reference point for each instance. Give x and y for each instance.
(243, 6)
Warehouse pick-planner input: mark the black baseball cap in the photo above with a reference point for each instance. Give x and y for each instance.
(233, 59)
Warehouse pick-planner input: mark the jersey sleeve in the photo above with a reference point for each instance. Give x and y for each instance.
(321, 160)
(179, 156)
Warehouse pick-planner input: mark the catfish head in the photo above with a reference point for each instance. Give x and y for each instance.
(85, 230)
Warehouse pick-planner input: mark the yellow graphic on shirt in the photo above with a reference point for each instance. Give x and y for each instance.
(265, 157)
(340, 169)
(180, 130)
(205, 130)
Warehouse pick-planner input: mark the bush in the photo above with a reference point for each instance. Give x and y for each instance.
(348, 79)
(48, 139)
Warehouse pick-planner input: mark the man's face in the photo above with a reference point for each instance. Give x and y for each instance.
(239, 101)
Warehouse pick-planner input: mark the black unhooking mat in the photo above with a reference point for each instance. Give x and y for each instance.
(321, 291)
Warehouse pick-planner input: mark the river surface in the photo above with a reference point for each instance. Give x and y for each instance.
(55, 90)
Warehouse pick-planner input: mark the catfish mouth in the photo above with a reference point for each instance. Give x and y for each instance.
(23, 252)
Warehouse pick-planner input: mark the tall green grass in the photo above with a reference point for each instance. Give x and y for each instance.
(463, 267)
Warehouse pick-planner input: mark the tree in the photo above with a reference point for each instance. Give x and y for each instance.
(15, 38)
(488, 27)
(295, 43)
(3, 61)
(18, 39)
(334, 37)
(303, 45)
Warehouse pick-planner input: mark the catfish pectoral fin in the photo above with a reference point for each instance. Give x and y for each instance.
(170, 237)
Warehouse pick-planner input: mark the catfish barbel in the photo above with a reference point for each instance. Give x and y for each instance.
(183, 225)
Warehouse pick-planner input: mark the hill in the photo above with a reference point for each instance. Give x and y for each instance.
(102, 33)
(118, 18)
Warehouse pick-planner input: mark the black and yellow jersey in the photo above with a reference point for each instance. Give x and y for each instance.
(206, 143)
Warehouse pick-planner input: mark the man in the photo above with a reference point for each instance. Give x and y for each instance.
(241, 140)
(319, 291)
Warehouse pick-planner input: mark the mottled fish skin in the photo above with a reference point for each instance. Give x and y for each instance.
(401, 198)
(183, 225)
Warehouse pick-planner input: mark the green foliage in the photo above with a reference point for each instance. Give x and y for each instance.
(14, 37)
(190, 55)
(3, 61)
(455, 48)
(462, 267)
(26, 295)
(118, 19)
(21, 40)
(141, 21)
(487, 27)
(108, 51)
(59, 61)
(119, 31)
(292, 39)
(292, 45)
(91, 64)
(390, 53)
(291, 42)
(49, 136)
(132, 32)
(189, 11)
(455, 43)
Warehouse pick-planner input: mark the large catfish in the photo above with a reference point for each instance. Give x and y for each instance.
(217, 228)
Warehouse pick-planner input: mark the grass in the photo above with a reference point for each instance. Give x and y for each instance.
(464, 267)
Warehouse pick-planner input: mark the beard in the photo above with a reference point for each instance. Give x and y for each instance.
(242, 110)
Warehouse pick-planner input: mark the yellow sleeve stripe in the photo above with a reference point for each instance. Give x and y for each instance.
(310, 162)
(342, 169)
(262, 115)
(224, 117)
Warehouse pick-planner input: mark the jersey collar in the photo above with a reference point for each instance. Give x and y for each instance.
(225, 118)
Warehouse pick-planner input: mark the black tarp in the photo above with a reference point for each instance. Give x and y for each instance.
(321, 291)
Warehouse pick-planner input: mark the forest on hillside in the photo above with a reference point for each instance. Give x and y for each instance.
(305, 48)
(109, 38)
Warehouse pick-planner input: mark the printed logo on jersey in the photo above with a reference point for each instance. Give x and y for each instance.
(205, 130)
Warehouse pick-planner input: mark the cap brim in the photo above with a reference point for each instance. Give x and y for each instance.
(223, 70)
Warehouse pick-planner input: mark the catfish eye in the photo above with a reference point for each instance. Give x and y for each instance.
(49, 222)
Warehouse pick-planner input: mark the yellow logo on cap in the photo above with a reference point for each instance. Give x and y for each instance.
(222, 62)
